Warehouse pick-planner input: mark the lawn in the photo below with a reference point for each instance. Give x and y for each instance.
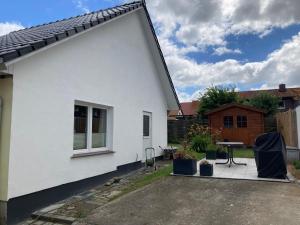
(238, 153)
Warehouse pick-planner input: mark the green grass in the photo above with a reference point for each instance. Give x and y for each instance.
(148, 179)
(243, 153)
(296, 164)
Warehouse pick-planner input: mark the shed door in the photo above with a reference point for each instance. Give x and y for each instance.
(147, 131)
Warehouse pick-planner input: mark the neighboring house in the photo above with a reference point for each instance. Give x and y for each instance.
(81, 100)
(289, 97)
(237, 122)
(189, 110)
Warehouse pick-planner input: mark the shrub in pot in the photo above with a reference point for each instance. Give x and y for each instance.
(206, 169)
(211, 151)
(185, 163)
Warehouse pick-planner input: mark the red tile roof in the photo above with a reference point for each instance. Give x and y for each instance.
(190, 108)
(289, 92)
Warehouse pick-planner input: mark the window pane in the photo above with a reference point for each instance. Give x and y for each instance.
(146, 126)
(80, 127)
(241, 121)
(99, 128)
(228, 121)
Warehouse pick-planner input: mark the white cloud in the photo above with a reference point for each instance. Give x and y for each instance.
(192, 26)
(208, 22)
(281, 66)
(81, 5)
(224, 50)
(7, 27)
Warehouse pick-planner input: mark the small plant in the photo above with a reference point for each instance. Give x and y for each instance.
(204, 162)
(211, 148)
(296, 164)
(200, 142)
(211, 152)
(184, 154)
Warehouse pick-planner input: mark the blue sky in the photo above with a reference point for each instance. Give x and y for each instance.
(208, 42)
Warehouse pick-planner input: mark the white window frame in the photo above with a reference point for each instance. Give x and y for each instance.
(109, 115)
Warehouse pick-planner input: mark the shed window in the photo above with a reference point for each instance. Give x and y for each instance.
(228, 121)
(241, 121)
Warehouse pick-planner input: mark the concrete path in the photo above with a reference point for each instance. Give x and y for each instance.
(198, 201)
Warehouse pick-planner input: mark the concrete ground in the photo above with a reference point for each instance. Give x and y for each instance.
(200, 201)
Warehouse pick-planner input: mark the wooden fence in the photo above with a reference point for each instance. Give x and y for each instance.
(177, 129)
(287, 126)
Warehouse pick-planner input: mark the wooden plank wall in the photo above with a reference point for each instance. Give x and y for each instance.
(287, 126)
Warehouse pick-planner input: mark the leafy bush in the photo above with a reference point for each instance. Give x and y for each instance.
(197, 130)
(200, 142)
(211, 148)
(216, 96)
(184, 154)
(265, 101)
(297, 164)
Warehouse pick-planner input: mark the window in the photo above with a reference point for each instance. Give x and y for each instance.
(241, 121)
(228, 121)
(99, 128)
(90, 127)
(146, 126)
(80, 127)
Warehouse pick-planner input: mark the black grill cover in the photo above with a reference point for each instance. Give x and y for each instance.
(270, 155)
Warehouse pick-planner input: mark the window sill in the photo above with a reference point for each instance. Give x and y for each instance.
(86, 154)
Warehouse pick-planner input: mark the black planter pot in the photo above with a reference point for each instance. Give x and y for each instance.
(206, 170)
(222, 155)
(185, 166)
(211, 155)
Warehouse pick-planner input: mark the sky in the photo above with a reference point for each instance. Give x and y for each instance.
(247, 44)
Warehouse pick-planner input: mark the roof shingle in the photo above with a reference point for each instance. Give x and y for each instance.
(21, 42)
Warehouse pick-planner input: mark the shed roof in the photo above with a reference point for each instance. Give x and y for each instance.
(232, 105)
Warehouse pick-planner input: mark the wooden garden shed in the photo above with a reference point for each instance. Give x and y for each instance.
(237, 122)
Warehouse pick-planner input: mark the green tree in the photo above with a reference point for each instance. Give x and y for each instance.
(265, 101)
(216, 96)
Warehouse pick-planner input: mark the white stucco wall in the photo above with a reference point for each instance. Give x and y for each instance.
(110, 65)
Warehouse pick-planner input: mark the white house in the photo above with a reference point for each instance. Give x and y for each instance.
(81, 99)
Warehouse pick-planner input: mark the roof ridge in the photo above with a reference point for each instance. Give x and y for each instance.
(80, 15)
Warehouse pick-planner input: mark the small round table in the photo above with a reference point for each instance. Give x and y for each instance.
(230, 146)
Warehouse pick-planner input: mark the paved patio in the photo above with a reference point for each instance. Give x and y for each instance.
(189, 201)
(240, 172)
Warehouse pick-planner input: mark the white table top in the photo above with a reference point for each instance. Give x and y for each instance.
(229, 143)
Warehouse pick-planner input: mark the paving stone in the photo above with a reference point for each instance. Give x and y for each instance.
(80, 205)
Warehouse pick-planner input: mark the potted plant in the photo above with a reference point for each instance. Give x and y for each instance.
(222, 154)
(206, 169)
(185, 163)
(211, 151)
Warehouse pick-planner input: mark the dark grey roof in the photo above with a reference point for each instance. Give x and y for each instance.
(21, 42)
